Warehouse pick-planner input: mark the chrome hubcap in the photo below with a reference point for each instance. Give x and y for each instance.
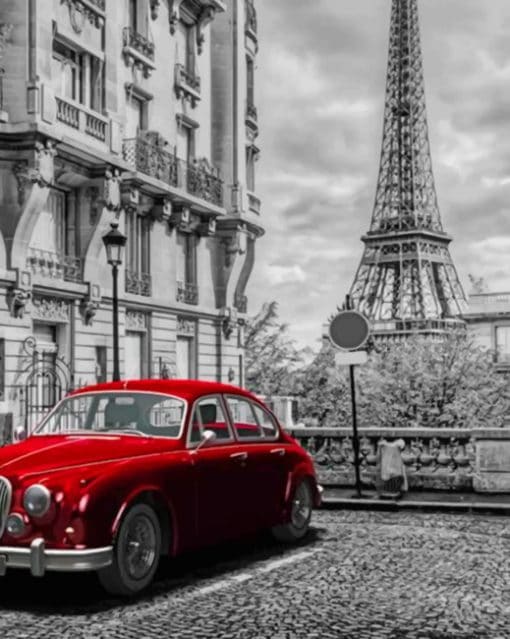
(301, 506)
(140, 547)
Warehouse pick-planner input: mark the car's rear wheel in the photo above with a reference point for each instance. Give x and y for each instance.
(300, 514)
(136, 552)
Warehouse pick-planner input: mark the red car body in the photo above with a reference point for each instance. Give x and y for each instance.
(203, 489)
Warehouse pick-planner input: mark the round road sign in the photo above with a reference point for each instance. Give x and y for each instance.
(349, 330)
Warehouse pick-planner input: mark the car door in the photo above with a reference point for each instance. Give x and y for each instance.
(265, 477)
(220, 475)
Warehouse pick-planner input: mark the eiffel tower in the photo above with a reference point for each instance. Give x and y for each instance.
(406, 281)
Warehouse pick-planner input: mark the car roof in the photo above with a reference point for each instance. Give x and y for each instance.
(188, 389)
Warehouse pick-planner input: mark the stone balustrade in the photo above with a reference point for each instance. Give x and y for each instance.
(435, 458)
(79, 117)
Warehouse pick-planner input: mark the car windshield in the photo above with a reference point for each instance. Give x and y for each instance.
(116, 412)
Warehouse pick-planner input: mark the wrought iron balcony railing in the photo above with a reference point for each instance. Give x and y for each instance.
(251, 17)
(187, 292)
(138, 283)
(197, 177)
(138, 42)
(152, 159)
(54, 265)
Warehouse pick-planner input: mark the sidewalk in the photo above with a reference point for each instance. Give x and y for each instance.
(419, 500)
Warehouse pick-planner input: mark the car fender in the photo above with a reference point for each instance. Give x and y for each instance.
(299, 472)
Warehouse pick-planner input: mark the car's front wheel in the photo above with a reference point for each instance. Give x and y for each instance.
(300, 514)
(136, 552)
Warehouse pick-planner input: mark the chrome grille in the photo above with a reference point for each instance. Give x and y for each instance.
(5, 502)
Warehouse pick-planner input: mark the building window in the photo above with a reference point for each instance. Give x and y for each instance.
(189, 49)
(187, 289)
(185, 141)
(137, 253)
(78, 76)
(250, 81)
(53, 246)
(250, 168)
(503, 344)
(135, 116)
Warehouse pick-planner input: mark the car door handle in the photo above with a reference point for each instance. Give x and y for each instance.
(278, 451)
(241, 456)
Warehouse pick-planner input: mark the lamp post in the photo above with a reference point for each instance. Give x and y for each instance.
(114, 242)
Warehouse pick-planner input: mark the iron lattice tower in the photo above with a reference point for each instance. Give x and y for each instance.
(406, 281)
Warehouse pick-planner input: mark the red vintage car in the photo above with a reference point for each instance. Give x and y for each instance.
(121, 473)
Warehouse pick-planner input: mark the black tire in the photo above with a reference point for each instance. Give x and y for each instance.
(133, 567)
(300, 515)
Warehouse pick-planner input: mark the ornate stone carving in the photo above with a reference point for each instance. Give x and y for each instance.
(183, 220)
(5, 36)
(233, 245)
(207, 229)
(50, 308)
(17, 299)
(42, 173)
(130, 198)
(90, 304)
(154, 8)
(162, 211)
(111, 193)
(82, 10)
(136, 321)
(173, 14)
(186, 326)
(206, 16)
(228, 318)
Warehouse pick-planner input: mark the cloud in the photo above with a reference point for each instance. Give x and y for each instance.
(320, 87)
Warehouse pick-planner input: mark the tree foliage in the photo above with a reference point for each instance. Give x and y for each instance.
(271, 355)
(418, 381)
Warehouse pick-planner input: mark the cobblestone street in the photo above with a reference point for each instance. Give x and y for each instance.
(358, 575)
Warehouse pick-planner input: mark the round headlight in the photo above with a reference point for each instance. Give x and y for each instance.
(37, 500)
(15, 525)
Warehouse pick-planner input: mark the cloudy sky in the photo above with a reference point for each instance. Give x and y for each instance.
(320, 92)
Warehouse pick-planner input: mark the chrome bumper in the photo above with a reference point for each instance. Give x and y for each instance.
(37, 559)
(320, 490)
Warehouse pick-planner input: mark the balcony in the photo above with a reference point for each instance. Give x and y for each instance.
(187, 292)
(152, 158)
(138, 283)
(187, 84)
(54, 265)
(138, 50)
(198, 177)
(253, 203)
(79, 117)
(241, 303)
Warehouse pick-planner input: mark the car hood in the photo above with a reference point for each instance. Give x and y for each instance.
(47, 453)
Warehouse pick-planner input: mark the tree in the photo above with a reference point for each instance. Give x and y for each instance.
(272, 356)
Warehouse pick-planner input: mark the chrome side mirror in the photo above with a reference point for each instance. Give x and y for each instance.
(208, 436)
(19, 434)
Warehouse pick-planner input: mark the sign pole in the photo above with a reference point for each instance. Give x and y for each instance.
(355, 438)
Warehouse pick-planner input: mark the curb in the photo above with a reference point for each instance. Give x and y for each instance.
(338, 503)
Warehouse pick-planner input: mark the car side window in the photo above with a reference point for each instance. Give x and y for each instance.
(266, 422)
(245, 423)
(209, 415)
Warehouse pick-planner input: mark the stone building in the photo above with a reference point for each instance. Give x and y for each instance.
(139, 112)
(488, 322)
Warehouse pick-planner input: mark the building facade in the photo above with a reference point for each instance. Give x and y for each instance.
(139, 112)
(488, 322)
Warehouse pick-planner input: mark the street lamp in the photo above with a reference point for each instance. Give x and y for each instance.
(114, 242)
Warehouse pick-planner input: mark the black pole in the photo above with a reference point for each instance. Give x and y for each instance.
(355, 437)
(116, 371)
